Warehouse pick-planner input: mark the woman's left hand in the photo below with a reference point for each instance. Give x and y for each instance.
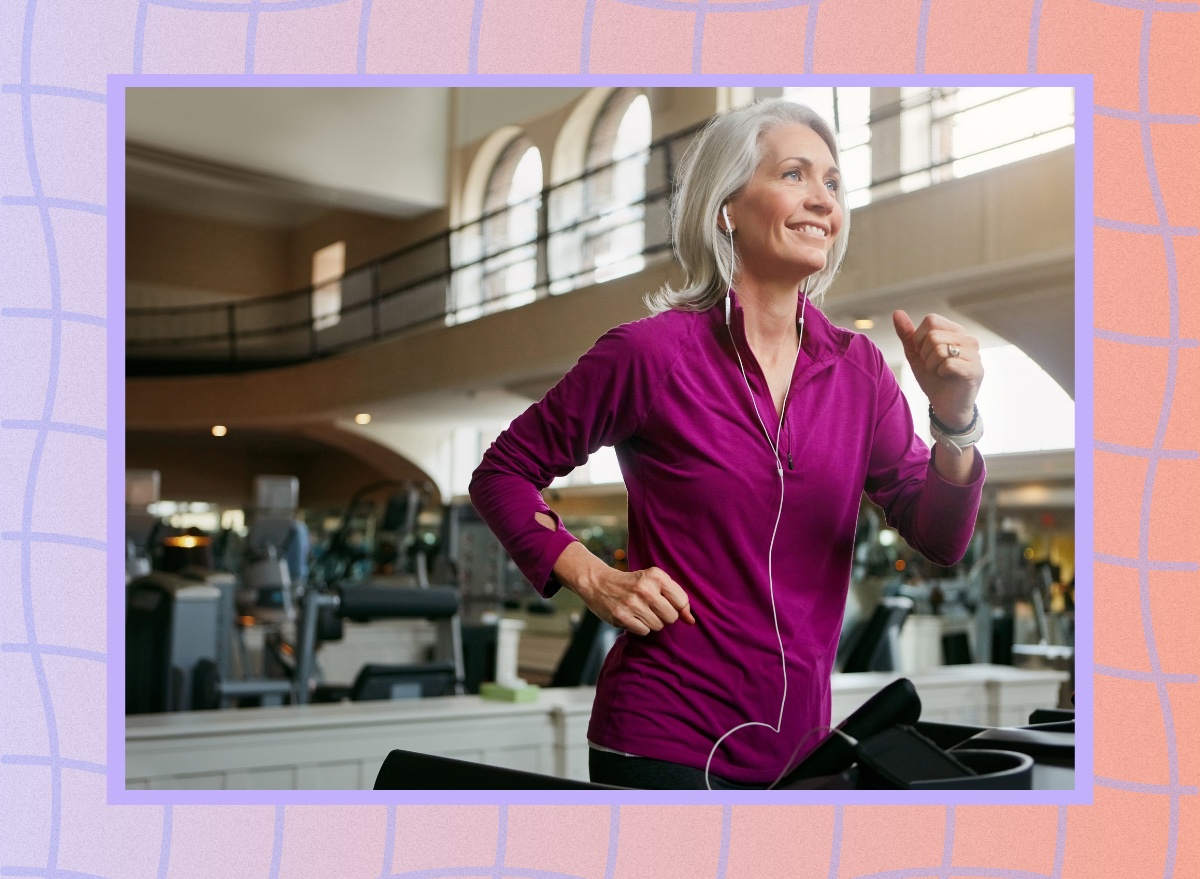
(945, 361)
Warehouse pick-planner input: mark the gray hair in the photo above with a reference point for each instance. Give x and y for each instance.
(718, 163)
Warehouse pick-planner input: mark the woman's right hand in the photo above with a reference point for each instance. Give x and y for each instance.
(638, 601)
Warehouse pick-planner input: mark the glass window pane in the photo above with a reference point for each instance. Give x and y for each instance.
(819, 99)
(853, 108)
(633, 136)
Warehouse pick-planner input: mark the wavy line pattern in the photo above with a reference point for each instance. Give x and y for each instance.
(51, 314)
(56, 650)
(922, 34)
(706, 6)
(1139, 452)
(28, 641)
(1035, 28)
(55, 91)
(66, 204)
(25, 536)
(1148, 341)
(1168, 400)
(164, 849)
(1153, 677)
(1147, 564)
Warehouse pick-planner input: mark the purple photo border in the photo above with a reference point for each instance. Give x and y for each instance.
(1084, 407)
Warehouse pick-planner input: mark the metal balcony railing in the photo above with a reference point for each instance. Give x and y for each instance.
(609, 221)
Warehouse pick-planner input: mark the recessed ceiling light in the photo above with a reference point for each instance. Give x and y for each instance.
(863, 323)
(362, 418)
(219, 430)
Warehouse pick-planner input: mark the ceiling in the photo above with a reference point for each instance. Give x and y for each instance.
(281, 156)
(331, 465)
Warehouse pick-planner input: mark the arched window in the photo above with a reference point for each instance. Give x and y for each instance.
(510, 227)
(617, 157)
(495, 253)
(599, 221)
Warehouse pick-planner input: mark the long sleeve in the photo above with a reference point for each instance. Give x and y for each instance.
(934, 516)
(598, 403)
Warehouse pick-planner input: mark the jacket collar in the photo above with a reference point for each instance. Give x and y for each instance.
(821, 341)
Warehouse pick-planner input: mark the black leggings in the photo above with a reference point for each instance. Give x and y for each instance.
(645, 773)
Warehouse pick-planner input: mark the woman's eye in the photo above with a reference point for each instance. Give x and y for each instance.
(793, 174)
(833, 185)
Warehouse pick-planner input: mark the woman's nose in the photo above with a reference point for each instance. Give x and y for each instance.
(821, 199)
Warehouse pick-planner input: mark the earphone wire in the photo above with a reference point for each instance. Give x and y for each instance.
(778, 516)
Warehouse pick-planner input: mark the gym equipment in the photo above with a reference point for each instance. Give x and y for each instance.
(1024, 758)
(483, 570)
(267, 579)
(378, 682)
(322, 615)
(376, 599)
(881, 745)
(171, 625)
(141, 490)
(226, 585)
(178, 652)
(362, 543)
(408, 770)
(589, 645)
(178, 646)
(876, 646)
(1050, 744)
(897, 703)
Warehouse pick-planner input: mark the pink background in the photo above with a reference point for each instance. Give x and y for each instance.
(53, 818)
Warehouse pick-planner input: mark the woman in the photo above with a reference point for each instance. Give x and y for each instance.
(747, 428)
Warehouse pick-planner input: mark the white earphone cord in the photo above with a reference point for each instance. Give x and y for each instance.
(778, 516)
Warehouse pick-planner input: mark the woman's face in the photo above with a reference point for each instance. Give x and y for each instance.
(786, 218)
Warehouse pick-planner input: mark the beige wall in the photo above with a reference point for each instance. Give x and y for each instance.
(1008, 213)
(177, 251)
(206, 469)
(174, 259)
(368, 237)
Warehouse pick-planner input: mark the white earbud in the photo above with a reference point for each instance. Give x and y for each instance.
(729, 232)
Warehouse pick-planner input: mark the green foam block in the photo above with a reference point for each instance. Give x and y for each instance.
(492, 690)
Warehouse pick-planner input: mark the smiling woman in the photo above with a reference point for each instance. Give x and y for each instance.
(739, 414)
(784, 221)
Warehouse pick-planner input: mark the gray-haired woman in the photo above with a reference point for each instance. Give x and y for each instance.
(747, 427)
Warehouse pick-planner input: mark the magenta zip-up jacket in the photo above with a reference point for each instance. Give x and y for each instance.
(704, 492)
